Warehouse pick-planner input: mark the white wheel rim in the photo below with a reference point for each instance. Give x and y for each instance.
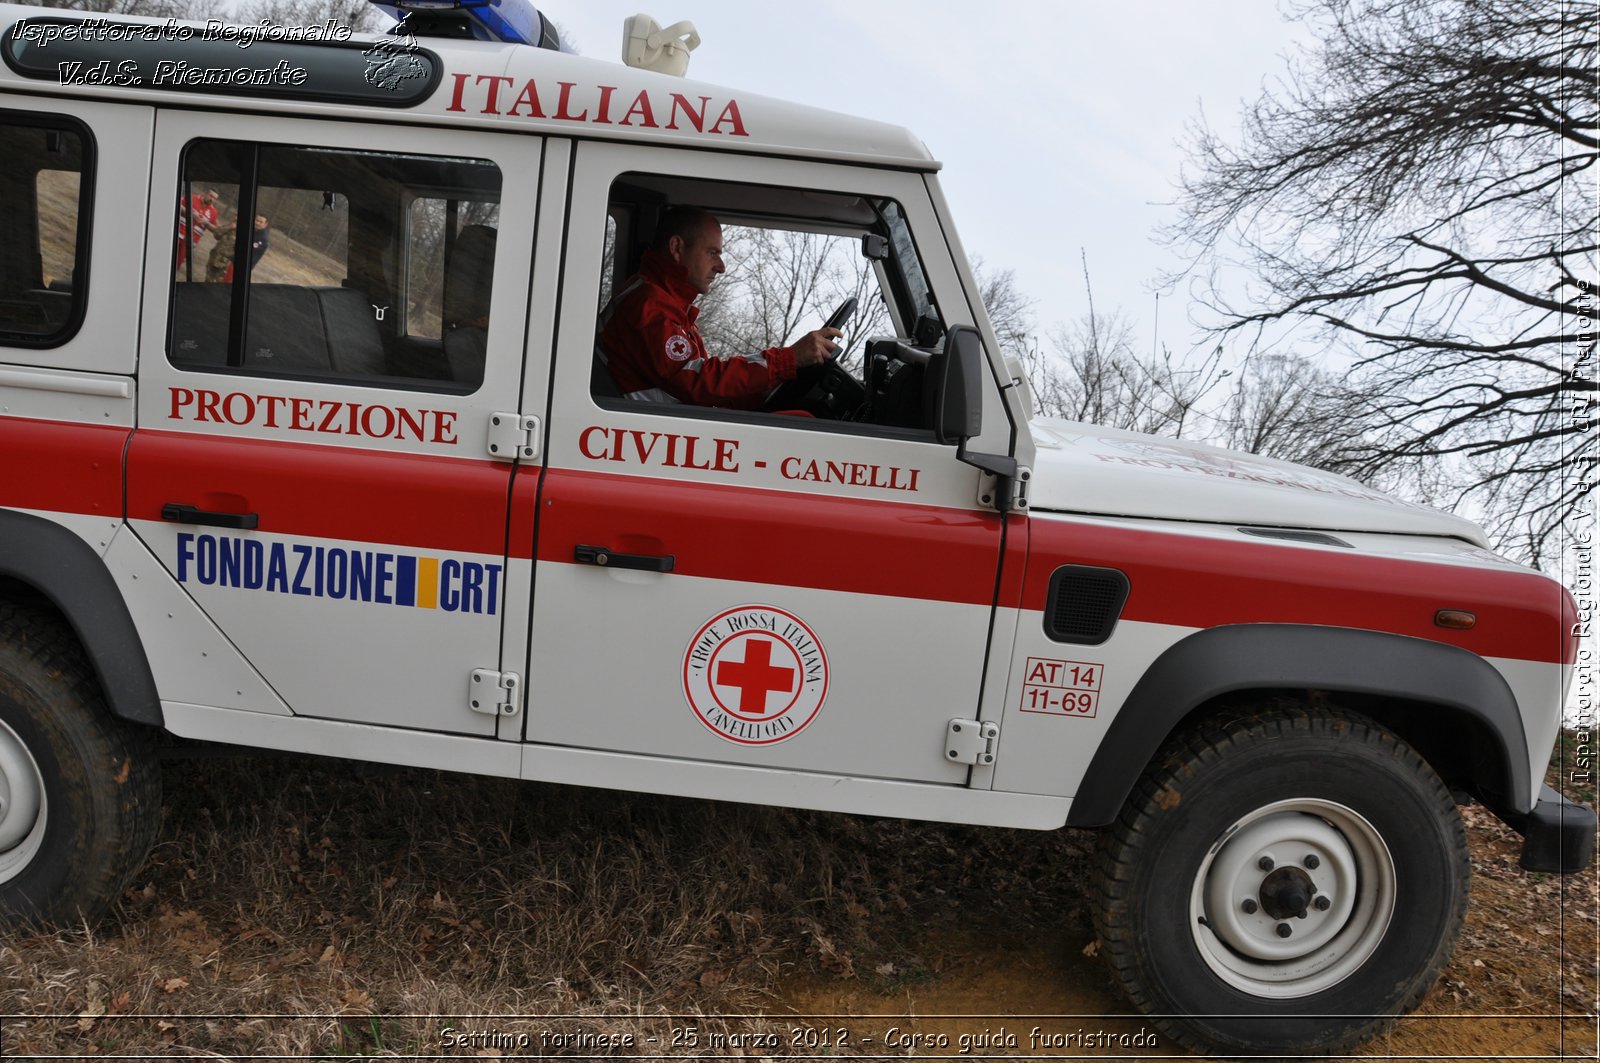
(1293, 898)
(22, 805)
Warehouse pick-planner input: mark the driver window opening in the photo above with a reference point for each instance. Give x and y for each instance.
(785, 263)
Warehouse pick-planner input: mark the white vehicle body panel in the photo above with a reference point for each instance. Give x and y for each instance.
(1092, 469)
(915, 598)
(719, 782)
(191, 659)
(1046, 744)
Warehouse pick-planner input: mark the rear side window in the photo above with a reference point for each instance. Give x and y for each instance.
(369, 268)
(46, 172)
(432, 227)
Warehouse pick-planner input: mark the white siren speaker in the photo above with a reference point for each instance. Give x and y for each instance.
(647, 46)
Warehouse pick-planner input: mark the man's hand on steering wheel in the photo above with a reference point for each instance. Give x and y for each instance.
(816, 347)
(819, 376)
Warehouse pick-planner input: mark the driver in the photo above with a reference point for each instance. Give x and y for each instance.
(648, 338)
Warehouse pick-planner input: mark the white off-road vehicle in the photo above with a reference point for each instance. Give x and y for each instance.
(365, 491)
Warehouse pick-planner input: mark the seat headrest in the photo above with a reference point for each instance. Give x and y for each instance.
(469, 275)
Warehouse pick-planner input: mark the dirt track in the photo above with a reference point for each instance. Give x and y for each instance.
(1522, 983)
(306, 908)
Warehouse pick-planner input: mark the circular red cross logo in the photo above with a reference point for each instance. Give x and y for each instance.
(755, 675)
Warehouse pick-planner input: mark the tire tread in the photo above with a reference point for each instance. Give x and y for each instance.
(43, 643)
(1205, 745)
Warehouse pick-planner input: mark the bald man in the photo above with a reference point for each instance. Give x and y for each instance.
(651, 345)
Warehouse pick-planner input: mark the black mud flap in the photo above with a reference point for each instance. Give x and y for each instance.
(1557, 836)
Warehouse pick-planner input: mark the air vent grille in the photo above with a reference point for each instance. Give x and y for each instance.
(1084, 603)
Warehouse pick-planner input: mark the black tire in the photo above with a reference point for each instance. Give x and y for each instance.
(81, 788)
(1229, 813)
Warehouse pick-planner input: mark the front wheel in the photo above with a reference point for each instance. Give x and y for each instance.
(1283, 882)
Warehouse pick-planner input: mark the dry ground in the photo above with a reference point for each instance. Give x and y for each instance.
(312, 908)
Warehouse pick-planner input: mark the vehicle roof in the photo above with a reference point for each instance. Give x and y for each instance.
(504, 87)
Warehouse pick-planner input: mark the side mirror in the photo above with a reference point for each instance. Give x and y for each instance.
(958, 400)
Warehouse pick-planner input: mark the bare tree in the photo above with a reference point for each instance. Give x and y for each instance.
(1010, 311)
(783, 283)
(1287, 407)
(1091, 373)
(357, 16)
(150, 8)
(1411, 195)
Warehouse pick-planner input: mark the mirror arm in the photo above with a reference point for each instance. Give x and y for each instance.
(1002, 466)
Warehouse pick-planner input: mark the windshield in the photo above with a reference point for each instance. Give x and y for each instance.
(906, 267)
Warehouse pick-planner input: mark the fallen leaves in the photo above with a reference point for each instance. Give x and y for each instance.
(91, 1012)
(356, 1002)
(610, 902)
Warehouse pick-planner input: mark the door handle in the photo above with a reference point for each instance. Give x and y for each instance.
(182, 514)
(604, 557)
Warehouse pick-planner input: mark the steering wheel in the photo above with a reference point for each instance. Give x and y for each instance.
(825, 389)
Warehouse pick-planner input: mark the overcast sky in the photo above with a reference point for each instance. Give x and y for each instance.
(1059, 124)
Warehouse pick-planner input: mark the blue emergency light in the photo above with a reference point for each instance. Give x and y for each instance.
(510, 21)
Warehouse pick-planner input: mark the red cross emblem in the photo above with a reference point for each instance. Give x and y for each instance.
(755, 676)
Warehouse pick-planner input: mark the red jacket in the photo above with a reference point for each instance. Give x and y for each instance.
(655, 352)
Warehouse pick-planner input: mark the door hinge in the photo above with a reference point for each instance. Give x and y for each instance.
(971, 742)
(1019, 500)
(1008, 494)
(494, 693)
(513, 436)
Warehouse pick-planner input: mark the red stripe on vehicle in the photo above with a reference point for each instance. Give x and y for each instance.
(370, 496)
(1015, 568)
(853, 545)
(61, 467)
(1194, 581)
(861, 546)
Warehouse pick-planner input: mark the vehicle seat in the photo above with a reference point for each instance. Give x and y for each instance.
(602, 385)
(292, 329)
(355, 346)
(468, 278)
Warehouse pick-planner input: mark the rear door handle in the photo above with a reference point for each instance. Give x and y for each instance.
(179, 513)
(604, 557)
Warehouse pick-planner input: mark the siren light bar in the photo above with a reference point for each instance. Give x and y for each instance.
(508, 21)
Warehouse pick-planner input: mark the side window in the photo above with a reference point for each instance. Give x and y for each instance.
(318, 263)
(434, 223)
(45, 175)
(790, 258)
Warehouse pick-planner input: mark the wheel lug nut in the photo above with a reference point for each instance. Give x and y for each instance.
(1284, 930)
(1266, 863)
(1249, 906)
(1322, 904)
(1312, 861)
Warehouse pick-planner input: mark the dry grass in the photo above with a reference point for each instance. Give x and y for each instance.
(315, 908)
(305, 887)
